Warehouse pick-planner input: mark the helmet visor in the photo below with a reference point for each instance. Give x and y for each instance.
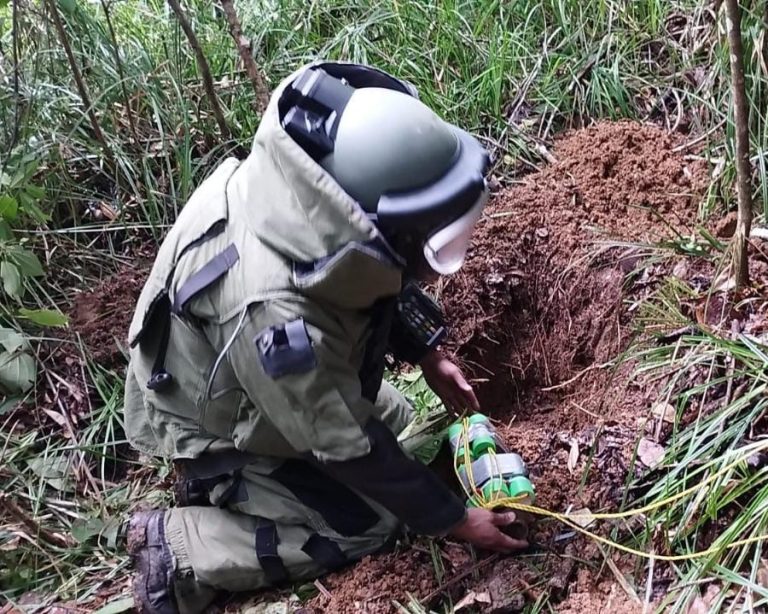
(446, 249)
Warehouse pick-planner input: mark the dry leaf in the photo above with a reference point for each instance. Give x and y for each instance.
(697, 606)
(650, 453)
(704, 604)
(762, 573)
(582, 517)
(56, 417)
(472, 598)
(573, 455)
(665, 411)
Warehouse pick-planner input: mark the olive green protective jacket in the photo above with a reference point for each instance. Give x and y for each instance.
(267, 290)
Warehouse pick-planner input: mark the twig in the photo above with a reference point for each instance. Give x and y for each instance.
(79, 82)
(458, 578)
(35, 528)
(119, 66)
(620, 579)
(258, 81)
(741, 119)
(577, 376)
(649, 585)
(16, 98)
(698, 139)
(202, 64)
(586, 411)
(324, 591)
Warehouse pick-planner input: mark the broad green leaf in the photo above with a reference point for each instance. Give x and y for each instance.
(6, 232)
(12, 340)
(26, 261)
(4, 3)
(122, 604)
(83, 530)
(29, 206)
(9, 208)
(17, 371)
(44, 317)
(54, 469)
(35, 191)
(68, 6)
(11, 277)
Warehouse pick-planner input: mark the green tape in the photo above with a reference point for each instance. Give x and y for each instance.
(520, 486)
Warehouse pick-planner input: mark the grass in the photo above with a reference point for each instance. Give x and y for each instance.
(515, 73)
(716, 380)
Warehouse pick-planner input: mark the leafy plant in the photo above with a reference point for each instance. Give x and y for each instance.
(17, 365)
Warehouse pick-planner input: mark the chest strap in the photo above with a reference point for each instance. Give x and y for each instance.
(160, 380)
(199, 281)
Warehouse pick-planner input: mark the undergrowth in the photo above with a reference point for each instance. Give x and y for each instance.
(515, 73)
(706, 349)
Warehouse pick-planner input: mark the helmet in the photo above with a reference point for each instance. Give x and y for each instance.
(419, 178)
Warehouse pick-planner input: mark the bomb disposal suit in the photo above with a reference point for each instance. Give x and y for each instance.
(258, 344)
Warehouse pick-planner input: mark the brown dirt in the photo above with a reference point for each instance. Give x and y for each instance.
(102, 315)
(376, 581)
(536, 312)
(532, 304)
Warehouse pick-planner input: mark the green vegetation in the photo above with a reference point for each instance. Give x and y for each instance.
(74, 206)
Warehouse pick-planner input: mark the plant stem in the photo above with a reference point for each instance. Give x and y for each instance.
(205, 71)
(81, 87)
(243, 44)
(741, 120)
(119, 66)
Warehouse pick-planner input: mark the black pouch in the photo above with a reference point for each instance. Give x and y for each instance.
(286, 349)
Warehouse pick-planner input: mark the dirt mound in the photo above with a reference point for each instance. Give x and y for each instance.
(537, 300)
(103, 314)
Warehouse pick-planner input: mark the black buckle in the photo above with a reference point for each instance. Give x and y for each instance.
(160, 381)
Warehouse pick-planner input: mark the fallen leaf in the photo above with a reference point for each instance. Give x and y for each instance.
(698, 606)
(56, 417)
(762, 573)
(582, 517)
(123, 604)
(665, 411)
(472, 598)
(573, 455)
(650, 453)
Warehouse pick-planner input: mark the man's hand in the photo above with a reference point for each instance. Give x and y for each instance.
(446, 379)
(481, 528)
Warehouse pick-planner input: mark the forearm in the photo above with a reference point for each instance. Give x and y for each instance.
(405, 487)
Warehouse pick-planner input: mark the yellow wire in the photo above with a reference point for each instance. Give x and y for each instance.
(514, 503)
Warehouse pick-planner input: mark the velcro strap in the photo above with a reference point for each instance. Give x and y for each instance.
(266, 551)
(324, 552)
(211, 272)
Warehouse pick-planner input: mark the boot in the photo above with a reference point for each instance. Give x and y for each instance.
(153, 591)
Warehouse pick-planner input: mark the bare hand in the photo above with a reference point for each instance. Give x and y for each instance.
(481, 528)
(446, 379)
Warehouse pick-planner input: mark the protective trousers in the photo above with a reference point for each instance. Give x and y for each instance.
(273, 520)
